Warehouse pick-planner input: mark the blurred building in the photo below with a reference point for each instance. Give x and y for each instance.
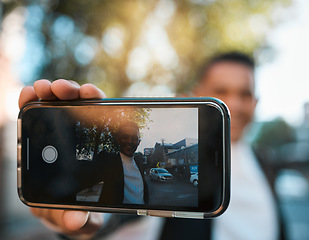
(148, 151)
(296, 153)
(302, 131)
(171, 147)
(180, 158)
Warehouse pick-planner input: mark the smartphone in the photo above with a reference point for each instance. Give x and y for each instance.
(167, 157)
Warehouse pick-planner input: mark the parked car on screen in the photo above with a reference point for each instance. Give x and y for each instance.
(194, 179)
(160, 174)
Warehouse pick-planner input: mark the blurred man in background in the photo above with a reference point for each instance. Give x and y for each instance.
(253, 211)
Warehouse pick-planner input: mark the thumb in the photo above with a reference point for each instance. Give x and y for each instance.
(74, 220)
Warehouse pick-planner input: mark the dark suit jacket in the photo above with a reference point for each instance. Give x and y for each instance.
(107, 167)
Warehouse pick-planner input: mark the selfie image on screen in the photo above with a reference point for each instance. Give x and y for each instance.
(136, 155)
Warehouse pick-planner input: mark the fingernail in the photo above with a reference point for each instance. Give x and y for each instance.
(75, 84)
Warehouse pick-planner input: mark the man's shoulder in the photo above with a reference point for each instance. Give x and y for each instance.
(107, 156)
(263, 154)
(108, 153)
(108, 162)
(264, 157)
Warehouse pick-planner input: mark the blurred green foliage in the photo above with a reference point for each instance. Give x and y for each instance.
(140, 45)
(274, 134)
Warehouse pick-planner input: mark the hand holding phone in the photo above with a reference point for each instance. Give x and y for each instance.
(207, 156)
(107, 155)
(65, 221)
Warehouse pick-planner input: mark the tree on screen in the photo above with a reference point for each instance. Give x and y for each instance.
(96, 127)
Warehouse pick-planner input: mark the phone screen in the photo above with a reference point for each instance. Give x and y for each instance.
(145, 156)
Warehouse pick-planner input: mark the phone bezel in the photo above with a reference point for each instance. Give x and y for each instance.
(218, 104)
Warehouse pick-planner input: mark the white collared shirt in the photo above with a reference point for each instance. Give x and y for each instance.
(133, 181)
(251, 214)
(147, 228)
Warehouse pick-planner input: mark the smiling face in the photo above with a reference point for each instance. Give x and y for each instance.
(233, 83)
(128, 139)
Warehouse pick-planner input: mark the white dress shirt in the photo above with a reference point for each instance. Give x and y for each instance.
(147, 228)
(251, 214)
(133, 181)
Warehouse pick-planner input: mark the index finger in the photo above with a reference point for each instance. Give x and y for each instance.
(45, 90)
(61, 89)
(27, 94)
(70, 90)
